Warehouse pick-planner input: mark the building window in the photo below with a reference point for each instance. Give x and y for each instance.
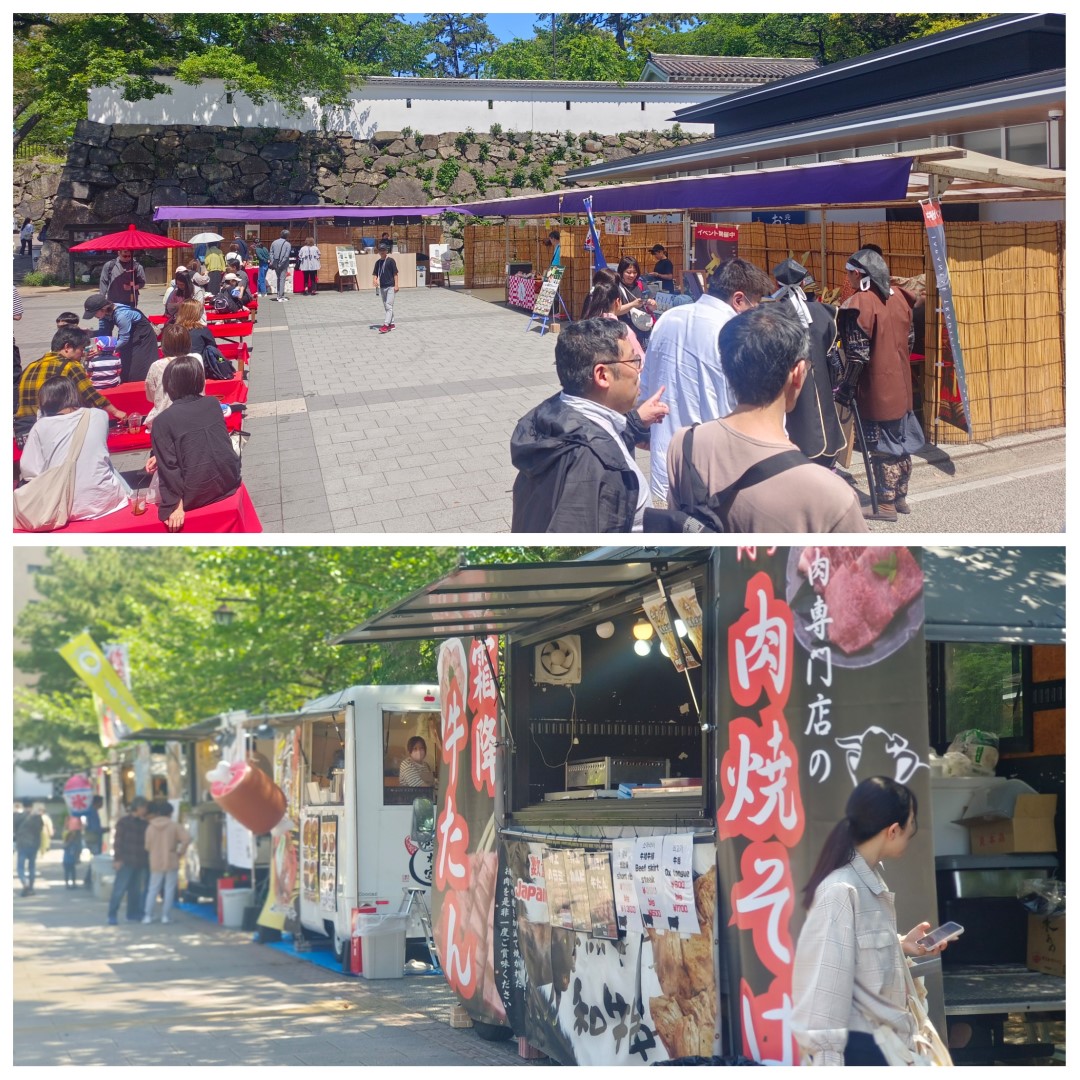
(803, 159)
(836, 155)
(771, 163)
(1026, 144)
(408, 103)
(877, 148)
(988, 141)
(491, 104)
(568, 106)
(643, 106)
(228, 99)
(915, 144)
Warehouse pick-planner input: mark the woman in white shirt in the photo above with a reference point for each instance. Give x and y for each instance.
(175, 341)
(848, 981)
(99, 488)
(308, 261)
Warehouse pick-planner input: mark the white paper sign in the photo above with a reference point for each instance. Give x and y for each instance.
(627, 911)
(616, 225)
(346, 262)
(648, 881)
(678, 897)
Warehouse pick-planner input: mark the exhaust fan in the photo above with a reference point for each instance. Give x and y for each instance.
(558, 662)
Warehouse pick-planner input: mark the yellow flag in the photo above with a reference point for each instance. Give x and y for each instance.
(90, 665)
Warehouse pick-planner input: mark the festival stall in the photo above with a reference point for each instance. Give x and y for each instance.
(623, 831)
(344, 848)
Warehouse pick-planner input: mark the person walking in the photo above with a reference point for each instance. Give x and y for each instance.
(131, 862)
(26, 238)
(166, 840)
(385, 279)
(48, 830)
(850, 980)
(280, 253)
(73, 845)
(92, 833)
(28, 828)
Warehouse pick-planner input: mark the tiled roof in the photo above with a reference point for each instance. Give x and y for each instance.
(729, 68)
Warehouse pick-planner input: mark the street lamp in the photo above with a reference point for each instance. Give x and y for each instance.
(223, 614)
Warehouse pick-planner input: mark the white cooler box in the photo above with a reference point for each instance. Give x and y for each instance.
(102, 876)
(950, 796)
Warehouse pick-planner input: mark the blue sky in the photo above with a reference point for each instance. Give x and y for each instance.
(504, 27)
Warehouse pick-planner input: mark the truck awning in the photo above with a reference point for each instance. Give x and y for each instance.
(504, 598)
(997, 594)
(204, 729)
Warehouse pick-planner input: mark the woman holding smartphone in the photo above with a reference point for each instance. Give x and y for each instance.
(850, 978)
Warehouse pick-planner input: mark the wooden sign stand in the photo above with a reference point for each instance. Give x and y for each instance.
(544, 307)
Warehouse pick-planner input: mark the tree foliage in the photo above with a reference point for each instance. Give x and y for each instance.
(459, 44)
(184, 666)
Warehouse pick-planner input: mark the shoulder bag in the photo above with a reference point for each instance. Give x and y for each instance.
(44, 503)
(640, 318)
(929, 1048)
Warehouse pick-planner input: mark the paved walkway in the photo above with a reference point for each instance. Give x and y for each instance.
(408, 432)
(193, 993)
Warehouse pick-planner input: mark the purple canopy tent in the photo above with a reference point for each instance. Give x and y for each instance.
(295, 213)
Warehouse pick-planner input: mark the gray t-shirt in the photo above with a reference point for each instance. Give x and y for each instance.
(804, 499)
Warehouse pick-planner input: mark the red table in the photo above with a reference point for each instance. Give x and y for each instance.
(253, 278)
(235, 514)
(131, 396)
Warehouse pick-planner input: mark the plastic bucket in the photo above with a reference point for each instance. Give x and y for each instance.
(233, 903)
(102, 876)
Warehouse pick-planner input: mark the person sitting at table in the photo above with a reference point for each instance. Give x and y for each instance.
(200, 279)
(179, 290)
(190, 449)
(175, 341)
(99, 488)
(65, 357)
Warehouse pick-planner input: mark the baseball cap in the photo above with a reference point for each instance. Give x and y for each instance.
(94, 303)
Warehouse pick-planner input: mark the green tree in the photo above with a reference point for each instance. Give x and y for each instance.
(184, 666)
(459, 43)
(59, 58)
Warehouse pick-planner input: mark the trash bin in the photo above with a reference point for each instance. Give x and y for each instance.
(421, 277)
(102, 876)
(233, 903)
(382, 945)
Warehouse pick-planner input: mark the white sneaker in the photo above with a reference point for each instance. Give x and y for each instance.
(166, 919)
(147, 920)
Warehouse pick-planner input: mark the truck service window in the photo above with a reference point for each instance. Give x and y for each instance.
(410, 755)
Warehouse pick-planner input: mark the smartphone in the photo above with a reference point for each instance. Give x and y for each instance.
(945, 932)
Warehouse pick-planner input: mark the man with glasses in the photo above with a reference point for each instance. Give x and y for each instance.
(683, 355)
(575, 452)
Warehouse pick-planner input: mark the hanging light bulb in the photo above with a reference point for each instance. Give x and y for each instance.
(605, 629)
(664, 651)
(680, 628)
(642, 648)
(643, 629)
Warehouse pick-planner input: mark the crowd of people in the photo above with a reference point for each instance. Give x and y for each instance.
(147, 846)
(61, 413)
(739, 397)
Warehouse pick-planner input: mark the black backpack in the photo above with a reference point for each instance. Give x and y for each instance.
(708, 513)
(215, 365)
(226, 302)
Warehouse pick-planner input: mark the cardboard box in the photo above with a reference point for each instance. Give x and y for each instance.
(1046, 944)
(1031, 828)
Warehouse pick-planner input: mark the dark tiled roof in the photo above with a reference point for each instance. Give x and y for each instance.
(729, 68)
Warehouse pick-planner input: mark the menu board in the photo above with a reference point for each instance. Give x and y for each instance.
(579, 893)
(548, 291)
(678, 876)
(346, 262)
(627, 911)
(328, 864)
(557, 879)
(309, 859)
(601, 895)
(648, 881)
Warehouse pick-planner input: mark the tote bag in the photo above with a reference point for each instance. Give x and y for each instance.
(45, 502)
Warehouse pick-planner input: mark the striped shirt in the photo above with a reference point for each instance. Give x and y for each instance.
(848, 973)
(103, 367)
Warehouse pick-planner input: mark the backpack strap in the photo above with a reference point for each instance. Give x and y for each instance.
(713, 509)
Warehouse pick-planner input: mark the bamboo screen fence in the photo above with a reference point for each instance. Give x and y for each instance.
(1007, 281)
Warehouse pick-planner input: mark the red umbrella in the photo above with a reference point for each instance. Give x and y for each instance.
(131, 239)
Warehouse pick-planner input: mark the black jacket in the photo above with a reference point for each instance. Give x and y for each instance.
(571, 475)
(195, 458)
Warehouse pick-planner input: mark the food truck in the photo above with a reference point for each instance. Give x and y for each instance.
(347, 846)
(641, 753)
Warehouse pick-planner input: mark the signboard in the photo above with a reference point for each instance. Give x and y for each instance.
(309, 859)
(346, 262)
(802, 719)
(953, 406)
(617, 225)
(548, 291)
(328, 864)
(440, 257)
(521, 291)
(779, 217)
(713, 244)
(601, 895)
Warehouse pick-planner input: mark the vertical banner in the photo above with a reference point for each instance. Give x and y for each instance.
(713, 244)
(953, 406)
(284, 839)
(88, 662)
(824, 685)
(593, 241)
(111, 728)
(466, 855)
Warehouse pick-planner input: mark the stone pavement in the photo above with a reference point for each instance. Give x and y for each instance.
(408, 432)
(193, 993)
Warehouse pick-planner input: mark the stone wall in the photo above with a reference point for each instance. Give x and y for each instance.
(120, 173)
(34, 186)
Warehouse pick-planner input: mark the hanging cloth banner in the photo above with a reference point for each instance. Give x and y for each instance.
(90, 665)
(953, 406)
(111, 729)
(599, 262)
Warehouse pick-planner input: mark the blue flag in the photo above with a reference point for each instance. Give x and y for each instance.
(599, 262)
